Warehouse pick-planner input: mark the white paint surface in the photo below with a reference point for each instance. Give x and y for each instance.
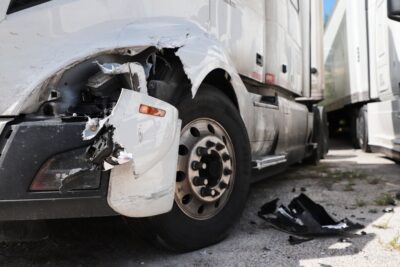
(3, 8)
(144, 186)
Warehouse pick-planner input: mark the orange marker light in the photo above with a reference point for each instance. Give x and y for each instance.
(270, 78)
(144, 109)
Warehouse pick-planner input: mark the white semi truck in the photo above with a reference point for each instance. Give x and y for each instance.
(362, 61)
(161, 111)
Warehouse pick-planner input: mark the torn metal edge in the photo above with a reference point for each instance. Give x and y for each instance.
(132, 68)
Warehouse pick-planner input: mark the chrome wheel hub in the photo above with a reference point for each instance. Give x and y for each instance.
(206, 169)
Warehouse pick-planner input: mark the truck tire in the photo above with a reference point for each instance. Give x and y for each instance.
(316, 156)
(320, 136)
(324, 128)
(213, 176)
(362, 129)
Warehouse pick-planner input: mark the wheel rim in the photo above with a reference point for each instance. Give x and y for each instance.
(206, 169)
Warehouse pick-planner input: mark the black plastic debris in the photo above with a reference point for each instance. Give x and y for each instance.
(269, 207)
(304, 217)
(388, 210)
(344, 240)
(266, 249)
(293, 240)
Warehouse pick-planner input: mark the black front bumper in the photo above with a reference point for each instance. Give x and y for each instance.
(25, 146)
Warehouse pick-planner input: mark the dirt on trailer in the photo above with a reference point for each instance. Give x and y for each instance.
(364, 188)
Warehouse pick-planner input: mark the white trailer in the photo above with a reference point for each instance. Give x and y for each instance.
(155, 110)
(362, 66)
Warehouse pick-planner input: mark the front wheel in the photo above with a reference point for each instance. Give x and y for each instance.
(320, 136)
(212, 178)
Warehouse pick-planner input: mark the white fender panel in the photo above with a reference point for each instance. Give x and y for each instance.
(144, 186)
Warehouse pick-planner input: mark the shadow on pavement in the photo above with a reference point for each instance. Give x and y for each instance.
(107, 241)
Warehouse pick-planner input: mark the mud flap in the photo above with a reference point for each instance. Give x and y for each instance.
(145, 185)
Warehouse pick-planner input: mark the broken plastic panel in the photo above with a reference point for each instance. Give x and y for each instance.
(138, 82)
(145, 185)
(138, 141)
(304, 217)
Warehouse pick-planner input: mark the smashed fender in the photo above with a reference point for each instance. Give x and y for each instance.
(140, 149)
(199, 52)
(138, 83)
(22, 90)
(145, 185)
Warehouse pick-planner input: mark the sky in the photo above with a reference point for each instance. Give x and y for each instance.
(328, 7)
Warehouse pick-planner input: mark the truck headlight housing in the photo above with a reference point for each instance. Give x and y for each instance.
(55, 170)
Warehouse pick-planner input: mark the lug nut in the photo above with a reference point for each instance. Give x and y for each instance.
(208, 192)
(199, 181)
(225, 157)
(223, 185)
(227, 172)
(205, 192)
(219, 146)
(196, 165)
(210, 144)
(202, 151)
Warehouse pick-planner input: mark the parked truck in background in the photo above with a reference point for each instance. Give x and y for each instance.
(161, 111)
(362, 63)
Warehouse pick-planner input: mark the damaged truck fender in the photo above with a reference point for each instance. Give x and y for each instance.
(199, 52)
(143, 185)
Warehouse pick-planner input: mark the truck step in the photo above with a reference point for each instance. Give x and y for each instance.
(264, 162)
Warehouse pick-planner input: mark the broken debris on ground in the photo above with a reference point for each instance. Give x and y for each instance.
(304, 217)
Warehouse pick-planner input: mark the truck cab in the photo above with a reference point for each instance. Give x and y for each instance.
(362, 67)
(383, 115)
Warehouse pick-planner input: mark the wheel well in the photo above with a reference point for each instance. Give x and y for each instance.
(220, 79)
(167, 81)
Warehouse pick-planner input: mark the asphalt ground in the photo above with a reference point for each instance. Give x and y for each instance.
(348, 183)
